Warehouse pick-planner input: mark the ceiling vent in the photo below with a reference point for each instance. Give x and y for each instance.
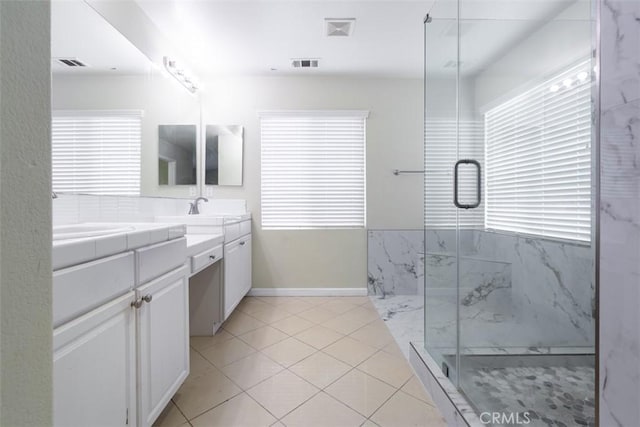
(304, 63)
(70, 62)
(339, 27)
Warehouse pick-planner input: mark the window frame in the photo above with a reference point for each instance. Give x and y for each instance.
(274, 223)
(542, 87)
(86, 115)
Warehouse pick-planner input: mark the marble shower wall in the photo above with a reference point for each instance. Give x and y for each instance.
(619, 293)
(395, 262)
(516, 291)
(553, 289)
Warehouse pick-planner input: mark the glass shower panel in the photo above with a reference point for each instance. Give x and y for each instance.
(440, 243)
(526, 262)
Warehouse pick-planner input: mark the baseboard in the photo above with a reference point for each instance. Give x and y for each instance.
(307, 292)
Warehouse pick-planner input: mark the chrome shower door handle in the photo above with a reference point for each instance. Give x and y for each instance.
(456, 201)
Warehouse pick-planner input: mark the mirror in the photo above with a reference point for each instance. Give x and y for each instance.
(177, 157)
(118, 85)
(224, 150)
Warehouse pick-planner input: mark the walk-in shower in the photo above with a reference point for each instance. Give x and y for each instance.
(509, 191)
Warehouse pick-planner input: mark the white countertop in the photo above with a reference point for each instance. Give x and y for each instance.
(197, 243)
(206, 219)
(128, 236)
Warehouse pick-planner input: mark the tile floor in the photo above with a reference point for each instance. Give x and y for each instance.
(300, 361)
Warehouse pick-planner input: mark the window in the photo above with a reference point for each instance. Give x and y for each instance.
(96, 152)
(313, 169)
(440, 155)
(538, 159)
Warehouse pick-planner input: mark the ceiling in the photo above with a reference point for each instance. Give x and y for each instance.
(259, 37)
(252, 37)
(77, 31)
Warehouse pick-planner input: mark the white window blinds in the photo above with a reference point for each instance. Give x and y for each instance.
(313, 169)
(538, 159)
(440, 155)
(96, 152)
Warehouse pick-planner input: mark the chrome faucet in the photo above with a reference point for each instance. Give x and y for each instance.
(193, 207)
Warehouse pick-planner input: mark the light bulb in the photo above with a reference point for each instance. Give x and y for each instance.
(567, 82)
(554, 88)
(583, 76)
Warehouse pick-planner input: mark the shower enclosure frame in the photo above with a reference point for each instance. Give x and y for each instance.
(450, 399)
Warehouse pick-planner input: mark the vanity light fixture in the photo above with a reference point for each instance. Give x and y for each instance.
(583, 76)
(180, 74)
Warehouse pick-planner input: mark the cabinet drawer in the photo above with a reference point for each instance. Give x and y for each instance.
(245, 228)
(154, 261)
(79, 289)
(231, 232)
(203, 259)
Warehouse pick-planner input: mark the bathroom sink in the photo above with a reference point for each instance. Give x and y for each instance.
(81, 231)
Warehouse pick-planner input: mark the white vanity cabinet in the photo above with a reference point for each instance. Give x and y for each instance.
(94, 372)
(121, 337)
(163, 341)
(237, 272)
(236, 263)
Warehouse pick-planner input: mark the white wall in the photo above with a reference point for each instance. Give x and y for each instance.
(25, 215)
(552, 47)
(163, 101)
(326, 258)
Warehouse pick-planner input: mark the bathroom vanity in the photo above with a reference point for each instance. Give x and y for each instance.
(236, 251)
(120, 314)
(126, 298)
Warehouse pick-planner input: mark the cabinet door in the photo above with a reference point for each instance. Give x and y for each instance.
(233, 276)
(94, 367)
(246, 265)
(163, 342)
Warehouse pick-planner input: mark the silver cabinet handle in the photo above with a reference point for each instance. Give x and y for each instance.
(242, 243)
(212, 257)
(138, 303)
(478, 188)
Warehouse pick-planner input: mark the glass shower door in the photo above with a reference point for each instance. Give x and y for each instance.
(509, 205)
(440, 216)
(525, 256)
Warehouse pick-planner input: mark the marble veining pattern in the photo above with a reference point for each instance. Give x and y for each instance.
(542, 289)
(619, 293)
(395, 262)
(553, 288)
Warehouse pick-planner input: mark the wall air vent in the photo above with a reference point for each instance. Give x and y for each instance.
(339, 27)
(70, 62)
(304, 63)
